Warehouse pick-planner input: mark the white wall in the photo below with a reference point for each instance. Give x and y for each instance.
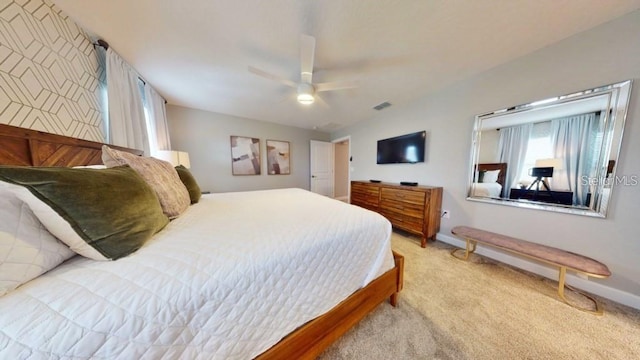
(205, 136)
(604, 55)
(489, 149)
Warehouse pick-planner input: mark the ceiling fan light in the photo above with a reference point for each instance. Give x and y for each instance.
(305, 94)
(305, 99)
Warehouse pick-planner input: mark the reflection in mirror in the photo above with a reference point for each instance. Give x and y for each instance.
(558, 154)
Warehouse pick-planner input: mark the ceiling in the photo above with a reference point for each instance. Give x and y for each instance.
(196, 53)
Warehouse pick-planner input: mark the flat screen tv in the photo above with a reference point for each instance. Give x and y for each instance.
(402, 149)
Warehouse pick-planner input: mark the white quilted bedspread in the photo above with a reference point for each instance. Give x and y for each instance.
(226, 280)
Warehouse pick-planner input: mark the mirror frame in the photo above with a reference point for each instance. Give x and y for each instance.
(618, 94)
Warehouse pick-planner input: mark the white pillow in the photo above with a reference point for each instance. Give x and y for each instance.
(57, 225)
(27, 249)
(490, 176)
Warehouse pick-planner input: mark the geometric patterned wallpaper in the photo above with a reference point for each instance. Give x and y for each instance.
(49, 72)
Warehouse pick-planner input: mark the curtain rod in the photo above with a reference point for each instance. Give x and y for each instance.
(105, 45)
(102, 43)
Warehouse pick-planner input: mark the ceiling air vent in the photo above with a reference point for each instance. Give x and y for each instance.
(383, 105)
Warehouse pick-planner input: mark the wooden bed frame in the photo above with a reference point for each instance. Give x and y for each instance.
(501, 176)
(25, 147)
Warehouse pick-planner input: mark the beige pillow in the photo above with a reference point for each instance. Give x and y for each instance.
(160, 175)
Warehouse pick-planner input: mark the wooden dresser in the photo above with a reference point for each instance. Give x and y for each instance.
(415, 209)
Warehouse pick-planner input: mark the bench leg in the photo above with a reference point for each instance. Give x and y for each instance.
(561, 285)
(471, 247)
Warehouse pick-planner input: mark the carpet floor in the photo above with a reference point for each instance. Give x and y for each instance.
(481, 309)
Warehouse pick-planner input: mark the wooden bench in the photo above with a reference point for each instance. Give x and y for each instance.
(562, 259)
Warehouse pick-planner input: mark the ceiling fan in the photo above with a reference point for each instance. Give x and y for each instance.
(306, 89)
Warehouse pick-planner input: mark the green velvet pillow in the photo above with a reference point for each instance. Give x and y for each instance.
(190, 183)
(101, 214)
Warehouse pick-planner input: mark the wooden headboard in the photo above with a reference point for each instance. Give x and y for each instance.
(495, 166)
(25, 147)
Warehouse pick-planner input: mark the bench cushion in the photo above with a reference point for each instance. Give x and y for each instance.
(538, 251)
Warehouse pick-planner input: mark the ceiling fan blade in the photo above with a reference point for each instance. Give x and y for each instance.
(270, 76)
(307, 53)
(288, 98)
(321, 101)
(329, 86)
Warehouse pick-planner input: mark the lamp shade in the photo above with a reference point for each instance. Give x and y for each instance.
(183, 159)
(174, 157)
(555, 163)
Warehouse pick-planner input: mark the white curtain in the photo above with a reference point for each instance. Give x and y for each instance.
(575, 140)
(127, 125)
(157, 117)
(512, 149)
(102, 92)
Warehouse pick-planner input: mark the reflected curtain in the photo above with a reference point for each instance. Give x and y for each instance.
(576, 140)
(127, 124)
(157, 118)
(512, 149)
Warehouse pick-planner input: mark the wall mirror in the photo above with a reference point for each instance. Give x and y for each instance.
(558, 154)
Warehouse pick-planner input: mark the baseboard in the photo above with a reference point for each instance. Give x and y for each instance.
(593, 287)
(342, 198)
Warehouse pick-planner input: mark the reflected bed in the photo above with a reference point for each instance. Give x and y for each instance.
(493, 189)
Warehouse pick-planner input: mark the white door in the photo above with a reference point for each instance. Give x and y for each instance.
(321, 166)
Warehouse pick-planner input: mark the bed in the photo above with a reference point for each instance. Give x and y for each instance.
(493, 188)
(222, 280)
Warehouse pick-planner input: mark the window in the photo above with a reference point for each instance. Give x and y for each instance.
(151, 135)
(538, 147)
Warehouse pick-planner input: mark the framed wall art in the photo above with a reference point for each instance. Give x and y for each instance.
(245, 155)
(278, 157)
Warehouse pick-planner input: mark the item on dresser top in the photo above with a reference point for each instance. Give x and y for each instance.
(375, 181)
(408, 183)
